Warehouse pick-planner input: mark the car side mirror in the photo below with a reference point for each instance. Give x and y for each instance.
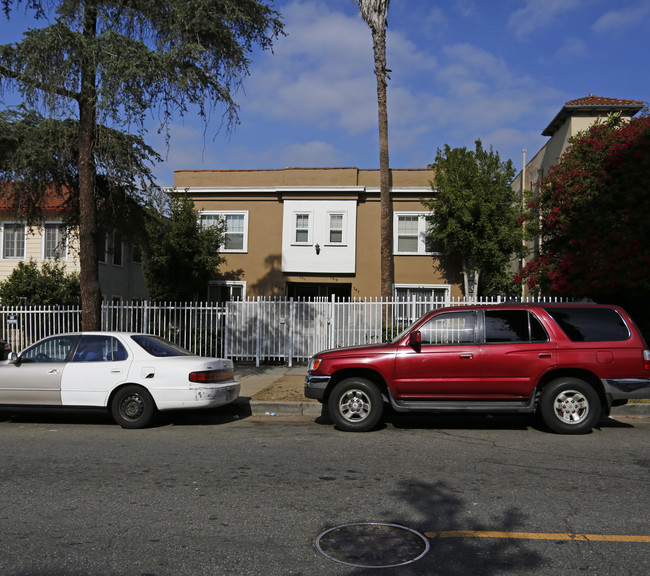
(415, 340)
(13, 358)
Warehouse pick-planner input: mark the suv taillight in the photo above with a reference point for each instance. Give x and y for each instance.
(646, 360)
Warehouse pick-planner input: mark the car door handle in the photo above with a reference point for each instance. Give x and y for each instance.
(545, 355)
(53, 371)
(466, 356)
(116, 371)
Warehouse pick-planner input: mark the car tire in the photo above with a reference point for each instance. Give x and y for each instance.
(569, 406)
(355, 405)
(133, 407)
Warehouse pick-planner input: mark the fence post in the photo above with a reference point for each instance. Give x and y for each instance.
(258, 342)
(290, 333)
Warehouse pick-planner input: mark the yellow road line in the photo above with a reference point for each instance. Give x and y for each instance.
(536, 536)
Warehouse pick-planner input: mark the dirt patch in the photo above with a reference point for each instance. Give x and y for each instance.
(288, 388)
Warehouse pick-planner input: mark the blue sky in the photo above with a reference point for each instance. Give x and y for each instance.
(497, 70)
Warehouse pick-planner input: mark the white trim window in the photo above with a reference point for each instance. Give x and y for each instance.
(226, 290)
(302, 228)
(421, 292)
(102, 249)
(410, 234)
(13, 241)
(55, 241)
(336, 227)
(118, 249)
(235, 232)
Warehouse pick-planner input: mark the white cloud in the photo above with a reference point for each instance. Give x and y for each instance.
(572, 48)
(323, 71)
(283, 154)
(535, 15)
(617, 20)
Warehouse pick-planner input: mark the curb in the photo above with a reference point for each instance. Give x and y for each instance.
(631, 410)
(315, 409)
(286, 408)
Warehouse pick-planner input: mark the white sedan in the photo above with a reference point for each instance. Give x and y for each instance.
(133, 375)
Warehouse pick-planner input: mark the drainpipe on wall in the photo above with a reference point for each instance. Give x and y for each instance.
(523, 224)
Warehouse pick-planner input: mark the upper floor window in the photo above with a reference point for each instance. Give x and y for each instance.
(302, 233)
(336, 228)
(118, 249)
(235, 231)
(136, 254)
(102, 248)
(410, 234)
(13, 241)
(55, 241)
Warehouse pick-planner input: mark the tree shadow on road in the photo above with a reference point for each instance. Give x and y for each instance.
(441, 509)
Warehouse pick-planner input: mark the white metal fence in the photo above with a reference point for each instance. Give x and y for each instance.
(255, 330)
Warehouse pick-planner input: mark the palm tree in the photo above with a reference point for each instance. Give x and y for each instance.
(374, 14)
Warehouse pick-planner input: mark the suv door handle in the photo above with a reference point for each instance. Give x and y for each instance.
(545, 355)
(466, 356)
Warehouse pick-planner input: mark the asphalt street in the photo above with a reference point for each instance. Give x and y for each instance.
(218, 492)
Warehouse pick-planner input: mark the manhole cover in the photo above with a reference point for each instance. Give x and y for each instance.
(372, 545)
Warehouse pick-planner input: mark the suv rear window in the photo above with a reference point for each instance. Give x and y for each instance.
(590, 324)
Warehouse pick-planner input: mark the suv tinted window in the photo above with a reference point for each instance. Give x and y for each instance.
(590, 324)
(513, 326)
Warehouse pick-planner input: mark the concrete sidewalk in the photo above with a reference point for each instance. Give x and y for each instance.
(253, 379)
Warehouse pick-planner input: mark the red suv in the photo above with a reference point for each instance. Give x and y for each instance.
(570, 363)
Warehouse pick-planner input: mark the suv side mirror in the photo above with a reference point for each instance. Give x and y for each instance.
(415, 340)
(13, 358)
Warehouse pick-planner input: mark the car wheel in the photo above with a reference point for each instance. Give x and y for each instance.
(133, 407)
(569, 406)
(355, 405)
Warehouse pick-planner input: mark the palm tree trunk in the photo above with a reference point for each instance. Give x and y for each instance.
(386, 234)
(374, 13)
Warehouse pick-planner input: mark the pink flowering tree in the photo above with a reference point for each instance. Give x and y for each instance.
(593, 211)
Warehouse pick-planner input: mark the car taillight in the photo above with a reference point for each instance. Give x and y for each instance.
(211, 376)
(646, 360)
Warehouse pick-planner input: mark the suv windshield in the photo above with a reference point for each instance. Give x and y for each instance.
(582, 324)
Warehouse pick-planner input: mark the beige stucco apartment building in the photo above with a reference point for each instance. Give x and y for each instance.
(314, 232)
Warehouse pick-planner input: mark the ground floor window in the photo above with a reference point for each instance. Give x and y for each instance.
(420, 293)
(226, 290)
(55, 245)
(13, 241)
(415, 300)
(306, 290)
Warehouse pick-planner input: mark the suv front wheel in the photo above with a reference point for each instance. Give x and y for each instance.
(355, 405)
(569, 406)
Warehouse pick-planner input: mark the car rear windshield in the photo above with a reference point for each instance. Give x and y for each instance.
(582, 324)
(159, 347)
